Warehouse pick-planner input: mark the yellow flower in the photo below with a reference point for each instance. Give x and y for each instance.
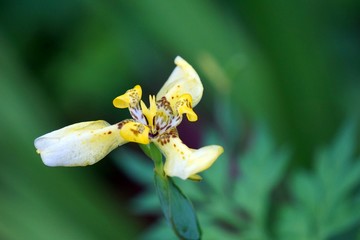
(86, 143)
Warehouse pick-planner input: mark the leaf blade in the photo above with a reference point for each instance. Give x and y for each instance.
(177, 208)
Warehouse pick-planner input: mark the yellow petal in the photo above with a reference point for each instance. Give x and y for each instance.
(182, 161)
(183, 106)
(135, 132)
(79, 144)
(130, 98)
(183, 80)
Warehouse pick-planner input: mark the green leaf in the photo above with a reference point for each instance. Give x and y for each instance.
(326, 195)
(306, 190)
(261, 168)
(295, 224)
(177, 208)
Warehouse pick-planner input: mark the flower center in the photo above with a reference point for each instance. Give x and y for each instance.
(161, 115)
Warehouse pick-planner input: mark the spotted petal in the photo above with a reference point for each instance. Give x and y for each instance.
(182, 161)
(130, 98)
(183, 80)
(79, 144)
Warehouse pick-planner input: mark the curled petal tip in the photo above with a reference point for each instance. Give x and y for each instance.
(183, 106)
(122, 101)
(183, 79)
(130, 98)
(191, 116)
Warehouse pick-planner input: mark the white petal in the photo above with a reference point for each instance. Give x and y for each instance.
(79, 144)
(182, 161)
(182, 80)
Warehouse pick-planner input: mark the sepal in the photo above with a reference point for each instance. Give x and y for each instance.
(79, 144)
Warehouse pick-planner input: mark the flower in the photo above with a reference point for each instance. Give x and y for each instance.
(86, 143)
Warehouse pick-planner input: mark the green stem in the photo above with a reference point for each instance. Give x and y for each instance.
(154, 154)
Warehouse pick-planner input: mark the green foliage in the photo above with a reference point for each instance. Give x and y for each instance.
(260, 170)
(324, 204)
(177, 208)
(233, 208)
(241, 196)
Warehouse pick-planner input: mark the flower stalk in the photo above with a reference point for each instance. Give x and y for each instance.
(155, 155)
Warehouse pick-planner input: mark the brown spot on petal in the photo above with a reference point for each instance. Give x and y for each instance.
(173, 133)
(135, 131)
(122, 123)
(164, 139)
(164, 103)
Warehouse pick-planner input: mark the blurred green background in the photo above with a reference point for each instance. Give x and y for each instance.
(293, 65)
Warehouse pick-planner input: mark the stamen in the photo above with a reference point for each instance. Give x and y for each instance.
(150, 112)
